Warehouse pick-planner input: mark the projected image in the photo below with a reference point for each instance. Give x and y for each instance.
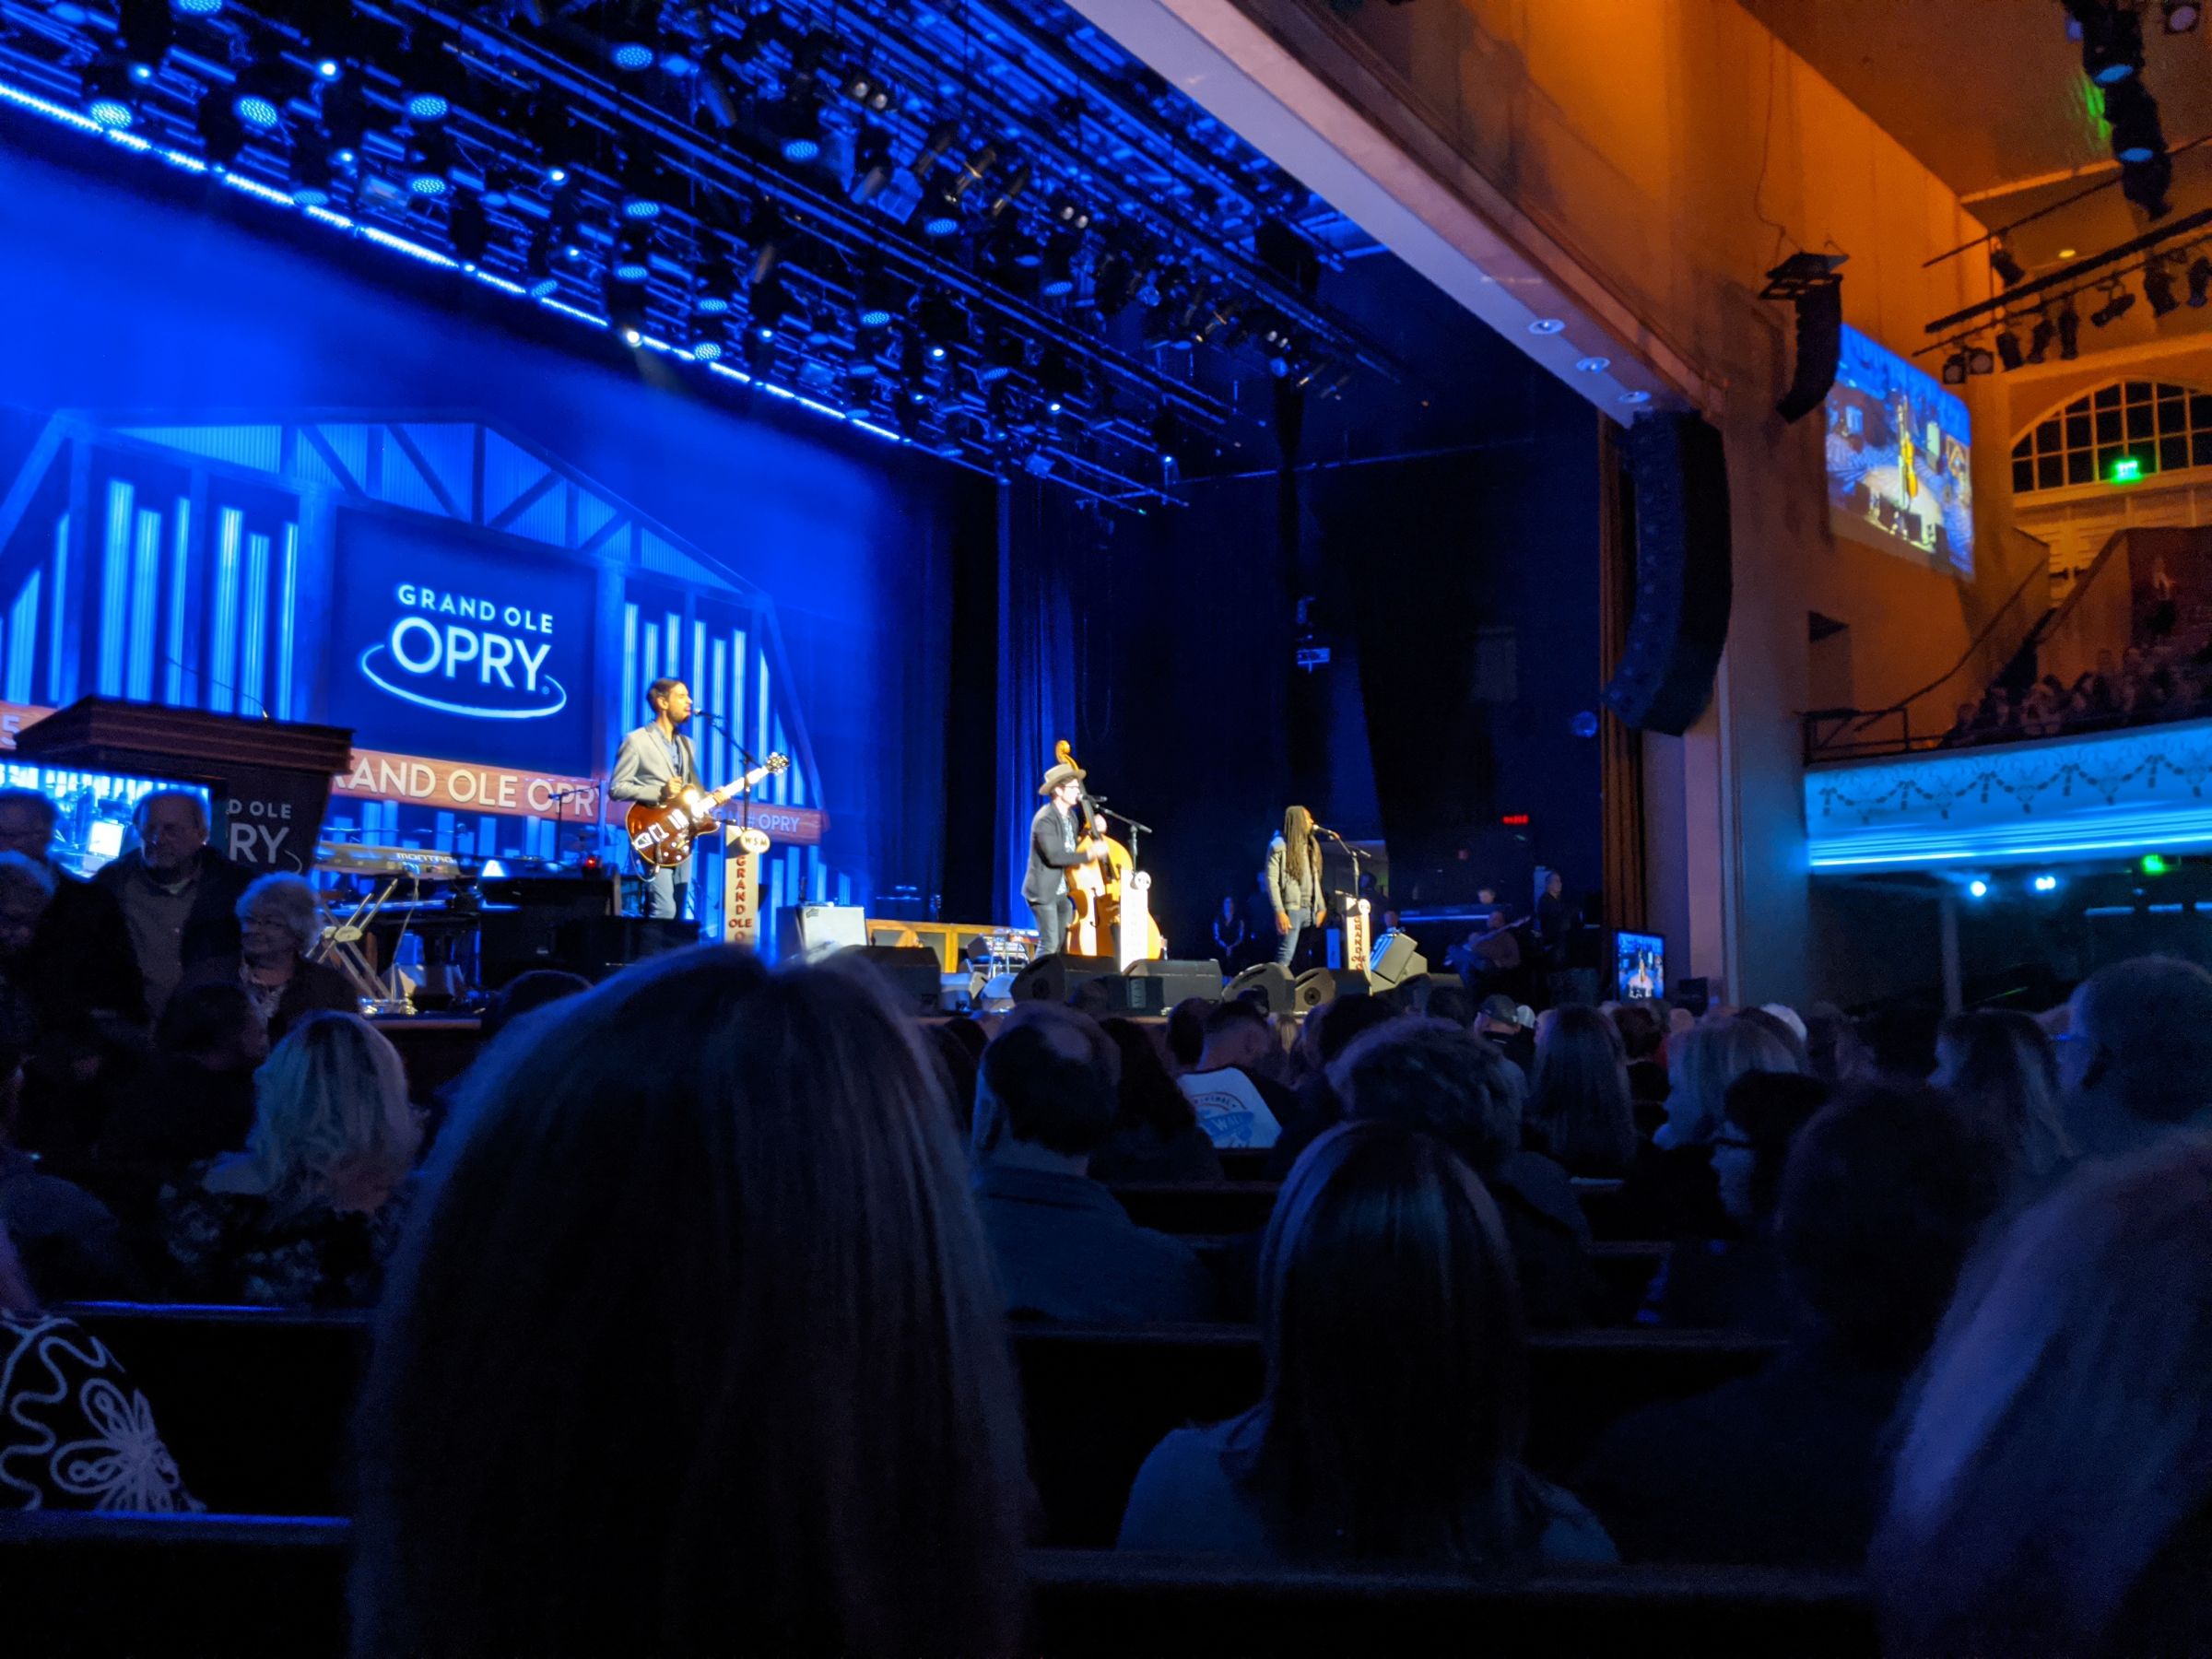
(1639, 965)
(1898, 451)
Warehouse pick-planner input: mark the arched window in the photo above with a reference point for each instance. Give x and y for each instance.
(2161, 426)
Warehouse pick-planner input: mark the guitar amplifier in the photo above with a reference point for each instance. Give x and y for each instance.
(600, 947)
(912, 972)
(517, 939)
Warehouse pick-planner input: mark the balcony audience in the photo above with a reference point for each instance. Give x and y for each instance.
(74, 1434)
(2054, 1468)
(279, 923)
(306, 1214)
(1885, 1192)
(1047, 1100)
(713, 1364)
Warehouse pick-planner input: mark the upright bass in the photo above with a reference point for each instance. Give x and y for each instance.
(1099, 888)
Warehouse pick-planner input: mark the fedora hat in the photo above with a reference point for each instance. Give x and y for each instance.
(1062, 773)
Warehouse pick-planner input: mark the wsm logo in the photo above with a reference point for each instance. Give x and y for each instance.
(462, 654)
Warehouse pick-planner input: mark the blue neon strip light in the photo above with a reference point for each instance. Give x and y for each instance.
(222, 687)
(717, 694)
(735, 714)
(762, 705)
(255, 616)
(59, 687)
(287, 603)
(23, 639)
(179, 577)
(631, 682)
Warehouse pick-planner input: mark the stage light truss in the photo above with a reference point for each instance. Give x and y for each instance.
(745, 187)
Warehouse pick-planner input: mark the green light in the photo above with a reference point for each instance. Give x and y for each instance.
(2128, 469)
(2153, 865)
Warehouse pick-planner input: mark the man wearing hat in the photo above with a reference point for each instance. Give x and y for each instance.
(1052, 852)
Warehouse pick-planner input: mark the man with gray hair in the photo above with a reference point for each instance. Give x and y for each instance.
(81, 961)
(179, 895)
(2137, 1057)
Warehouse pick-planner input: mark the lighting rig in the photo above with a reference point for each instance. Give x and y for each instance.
(977, 228)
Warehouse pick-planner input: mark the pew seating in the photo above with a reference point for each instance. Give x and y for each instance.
(257, 1587)
(253, 1403)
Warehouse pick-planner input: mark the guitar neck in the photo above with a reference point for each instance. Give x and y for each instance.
(738, 787)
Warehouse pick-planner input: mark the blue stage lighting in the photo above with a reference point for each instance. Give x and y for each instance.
(707, 350)
(543, 285)
(429, 106)
(801, 149)
(632, 55)
(641, 208)
(427, 184)
(111, 112)
(328, 68)
(1547, 325)
(199, 9)
(1978, 887)
(255, 111)
(2046, 884)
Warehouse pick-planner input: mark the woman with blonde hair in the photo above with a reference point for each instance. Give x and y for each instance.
(306, 1214)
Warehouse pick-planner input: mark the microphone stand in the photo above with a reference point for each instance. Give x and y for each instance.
(1128, 823)
(1353, 853)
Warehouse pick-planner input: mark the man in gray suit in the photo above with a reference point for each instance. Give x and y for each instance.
(1053, 837)
(654, 758)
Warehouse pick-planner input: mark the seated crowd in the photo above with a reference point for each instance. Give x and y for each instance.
(697, 1282)
(2149, 683)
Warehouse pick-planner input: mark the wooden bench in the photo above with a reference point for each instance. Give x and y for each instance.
(246, 1587)
(255, 1402)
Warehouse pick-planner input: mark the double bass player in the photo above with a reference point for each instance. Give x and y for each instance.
(1056, 846)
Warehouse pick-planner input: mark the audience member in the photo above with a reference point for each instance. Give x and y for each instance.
(1186, 1032)
(307, 1213)
(79, 961)
(1447, 1082)
(1397, 1383)
(194, 1097)
(1578, 1101)
(1736, 1280)
(1328, 1031)
(2054, 1473)
(70, 1244)
(958, 1046)
(75, 1433)
(1782, 1022)
(1237, 1102)
(2136, 1062)
(1833, 1047)
(1230, 933)
(1046, 1101)
(1499, 1020)
(2002, 1065)
(1155, 1133)
(528, 992)
(179, 896)
(279, 921)
(1884, 1194)
(1673, 1192)
(723, 1357)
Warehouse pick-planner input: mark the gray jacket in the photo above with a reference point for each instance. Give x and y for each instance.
(1288, 895)
(641, 770)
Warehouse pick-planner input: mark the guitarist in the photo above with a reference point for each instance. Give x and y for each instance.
(654, 762)
(1053, 834)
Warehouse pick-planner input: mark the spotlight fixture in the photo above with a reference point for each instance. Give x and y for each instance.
(973, 171)
(540, 280)
(769, 234)
(871, 163)
(2138, 134)
(796, 121)
(2040, 338)
(877, 302)
(345, 123)
(1059, 380)
(641, 184)
(2158, 288)
(1012, 185)
(149, 29)
(625, 309)
(938, 214)
(2118, 302)
(2069, 336)
(1004, 353)
(942, 323)
(2009, 270)
(1980, 361)
(222, 134)
(427, 82)
(934, 148)
(200, 9)
(555, 138)
(2008, 350)
(110, 94)
(631, 260)
(311, 175)
(2200, 280)
(257, 96)
(1056, 274)
(430, 161)
(2111, 42)
(634, 42)
(2180, 16)
(871, 91)
(1954, 369)
(1070, 214)
(770, 302)
(469, 227)
(717, 289)
(501, 180)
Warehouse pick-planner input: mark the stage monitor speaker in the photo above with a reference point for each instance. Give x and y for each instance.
(598, 946)
(913, 971)
(1159, 984)
(522, 914)
(1051, 978)
(1268, 982)
(1396, 958)
(1313, 987)
(810, 931)
(1665, 677)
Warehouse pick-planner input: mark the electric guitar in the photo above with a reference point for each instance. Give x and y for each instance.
(661, 836)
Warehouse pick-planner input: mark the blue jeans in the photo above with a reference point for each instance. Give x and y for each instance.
(1052, 921)
(1286, 946)
(666, 891)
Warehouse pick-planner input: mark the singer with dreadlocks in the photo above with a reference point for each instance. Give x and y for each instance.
(1294, 881)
